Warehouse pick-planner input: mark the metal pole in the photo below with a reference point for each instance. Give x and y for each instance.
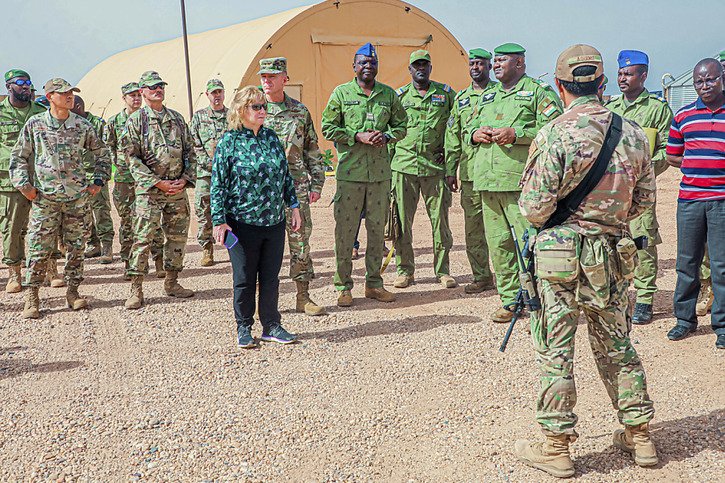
(186, 58)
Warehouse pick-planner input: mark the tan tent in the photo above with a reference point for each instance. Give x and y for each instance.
(319, 42)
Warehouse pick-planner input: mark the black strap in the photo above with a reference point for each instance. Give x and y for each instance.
(566, 206)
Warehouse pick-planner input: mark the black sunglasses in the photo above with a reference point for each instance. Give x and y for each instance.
(21, 82)
(155, 87)
(258, 107)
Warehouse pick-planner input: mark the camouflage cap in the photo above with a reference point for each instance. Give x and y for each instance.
(273, 65)
(59, 85)
(577, 56)
(12, 73)
(214, 84)
(419, 55)
(150, 78)
(129, 88)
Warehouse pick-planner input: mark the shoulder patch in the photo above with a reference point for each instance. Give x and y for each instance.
(446, 88)
(543, 84)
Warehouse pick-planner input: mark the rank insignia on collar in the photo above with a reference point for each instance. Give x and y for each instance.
(464, 102)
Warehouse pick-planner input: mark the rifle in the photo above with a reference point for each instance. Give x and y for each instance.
(526, 297)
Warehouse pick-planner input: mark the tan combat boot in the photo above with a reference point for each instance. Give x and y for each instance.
(73, 298)
(106, 254)
(52, 277)
(14, 284)
(636, 441)
(207, 258)
(403, 280)
(135, 300)
(551, 456)
(502, 316)
(172, 287)
(344, 299)
(704, 300)
(32, 304)
(304, 302)
(379, 293)
(448, 282)
(159, 263)
(478, 286)
(92, 251)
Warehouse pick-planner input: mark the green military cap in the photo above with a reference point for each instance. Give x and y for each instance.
(479, 54)
(12, 73)
(129, 88)
(722, 56)
(273, 65)
(419, 55)
(59, 85)
(509, 48)
(213, 85)
(605, 81)
(150, 78)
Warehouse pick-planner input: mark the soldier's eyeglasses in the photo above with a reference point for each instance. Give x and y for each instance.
(157, 86)
(21, 82)
(711, 82)
(258, 107)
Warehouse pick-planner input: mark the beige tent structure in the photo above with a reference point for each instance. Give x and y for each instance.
(319, 42)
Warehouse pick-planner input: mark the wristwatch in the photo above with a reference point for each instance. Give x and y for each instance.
(98, 182)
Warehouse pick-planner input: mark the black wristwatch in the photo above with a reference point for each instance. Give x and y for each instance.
(98, 182)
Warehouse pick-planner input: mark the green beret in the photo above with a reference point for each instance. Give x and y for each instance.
(419, 55)
(479, 54)
(150, 78)
(129, 88)
(605, 81)
(722, 56)
(12, 73)
(509, 48)
(213, 85)
(273, 65)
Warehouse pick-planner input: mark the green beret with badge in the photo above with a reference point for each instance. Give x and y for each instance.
(13, 73)
(509, 48)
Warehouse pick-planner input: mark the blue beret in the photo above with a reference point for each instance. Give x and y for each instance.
(632, 57)
(367, 50)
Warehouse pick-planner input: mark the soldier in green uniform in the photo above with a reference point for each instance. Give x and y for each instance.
(46, 166)
(15, 110)
(160, 151)
(459, 164)
(509, 117)
(362, 118)
(207, 127)
(292, 122)
(99, 223)
(653, 115)
(418, 167)
(584, 264)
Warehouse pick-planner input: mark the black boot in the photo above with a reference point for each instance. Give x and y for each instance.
(642, 314)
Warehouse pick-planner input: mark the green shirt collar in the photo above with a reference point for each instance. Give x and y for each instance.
(376, 88)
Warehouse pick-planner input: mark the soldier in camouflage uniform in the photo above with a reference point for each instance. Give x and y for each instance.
(292, 122)
(99, 225)
(160, 152)
(46, 166)
(207, 127)
(123, 193)
(586, 264)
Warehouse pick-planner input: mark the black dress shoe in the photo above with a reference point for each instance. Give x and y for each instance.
(720, 342)
(642, 314)
(679, 332)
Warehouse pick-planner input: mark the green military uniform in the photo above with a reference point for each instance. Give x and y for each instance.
(650, 112)
(363, 172)
(99, 224)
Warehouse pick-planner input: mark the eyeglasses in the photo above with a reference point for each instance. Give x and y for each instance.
(157, 86)
(21, 82)
(711, 82)
(258, 107)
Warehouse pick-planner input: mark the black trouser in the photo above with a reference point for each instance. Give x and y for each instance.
(257, 256)
(699, 222)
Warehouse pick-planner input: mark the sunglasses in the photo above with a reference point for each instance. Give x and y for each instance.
(157, 86)
(21, 82)
(258, 107)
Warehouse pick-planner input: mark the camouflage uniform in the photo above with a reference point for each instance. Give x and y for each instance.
(99, 224)
(595, 276)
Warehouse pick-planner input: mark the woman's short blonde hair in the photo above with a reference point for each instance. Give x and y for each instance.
(242, 99)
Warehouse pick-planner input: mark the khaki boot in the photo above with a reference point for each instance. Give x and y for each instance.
(704, 300)
(502, 316)
(32, 304)
(344, 299)
(551, 456)
(207, 258)
(52, 277)
(448, 282)
(92, 251)
(106, 254)
(75, 301)
(135, 300)
(14, 284)
(403, 280)
(172, 287)
(159, 263)
(478, 286)
(304, 302)
(636, 441)
(379, 294)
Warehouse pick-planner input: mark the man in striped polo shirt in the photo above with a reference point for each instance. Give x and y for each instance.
(696, 145)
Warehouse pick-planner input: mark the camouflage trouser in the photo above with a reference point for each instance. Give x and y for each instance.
(156, 212)
(437, 199)
(99, 225)
(14, 211)
(202, 205)
(476, 246)
(124, 196)
(301, 268)
(49, 222)
(601, 292)
(645, 278)
(705, 276)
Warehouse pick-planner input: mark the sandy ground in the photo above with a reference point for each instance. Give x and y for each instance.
(410, 391)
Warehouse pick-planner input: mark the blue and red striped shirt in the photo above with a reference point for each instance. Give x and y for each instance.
(698, 135)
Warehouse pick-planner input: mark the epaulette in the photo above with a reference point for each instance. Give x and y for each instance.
(446, 88)
(543, 84)
(659, 98)
(402, 90)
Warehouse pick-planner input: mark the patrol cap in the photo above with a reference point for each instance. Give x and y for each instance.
(509, 48)
(129, 88)
(213, 85)
(479, 54)
(367, 50)
(12, 73)
(721, 57)
(273, 65)
(577, 56)
(419, 55)
(150, 78)
(632, 57)
(59, 85)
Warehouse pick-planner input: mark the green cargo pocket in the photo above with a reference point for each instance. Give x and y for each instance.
(627, 255)
(557, 254)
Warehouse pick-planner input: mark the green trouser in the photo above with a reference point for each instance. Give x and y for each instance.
(99, 224)
(124, 196)
(705, 277)
(437, 198)
(351, 199)
(645, 277)
(14, 213)
(500, 211)
(476, 246)
(301, 269)
(202, 205)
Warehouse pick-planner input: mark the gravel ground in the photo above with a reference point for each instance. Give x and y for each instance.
(410, 391)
